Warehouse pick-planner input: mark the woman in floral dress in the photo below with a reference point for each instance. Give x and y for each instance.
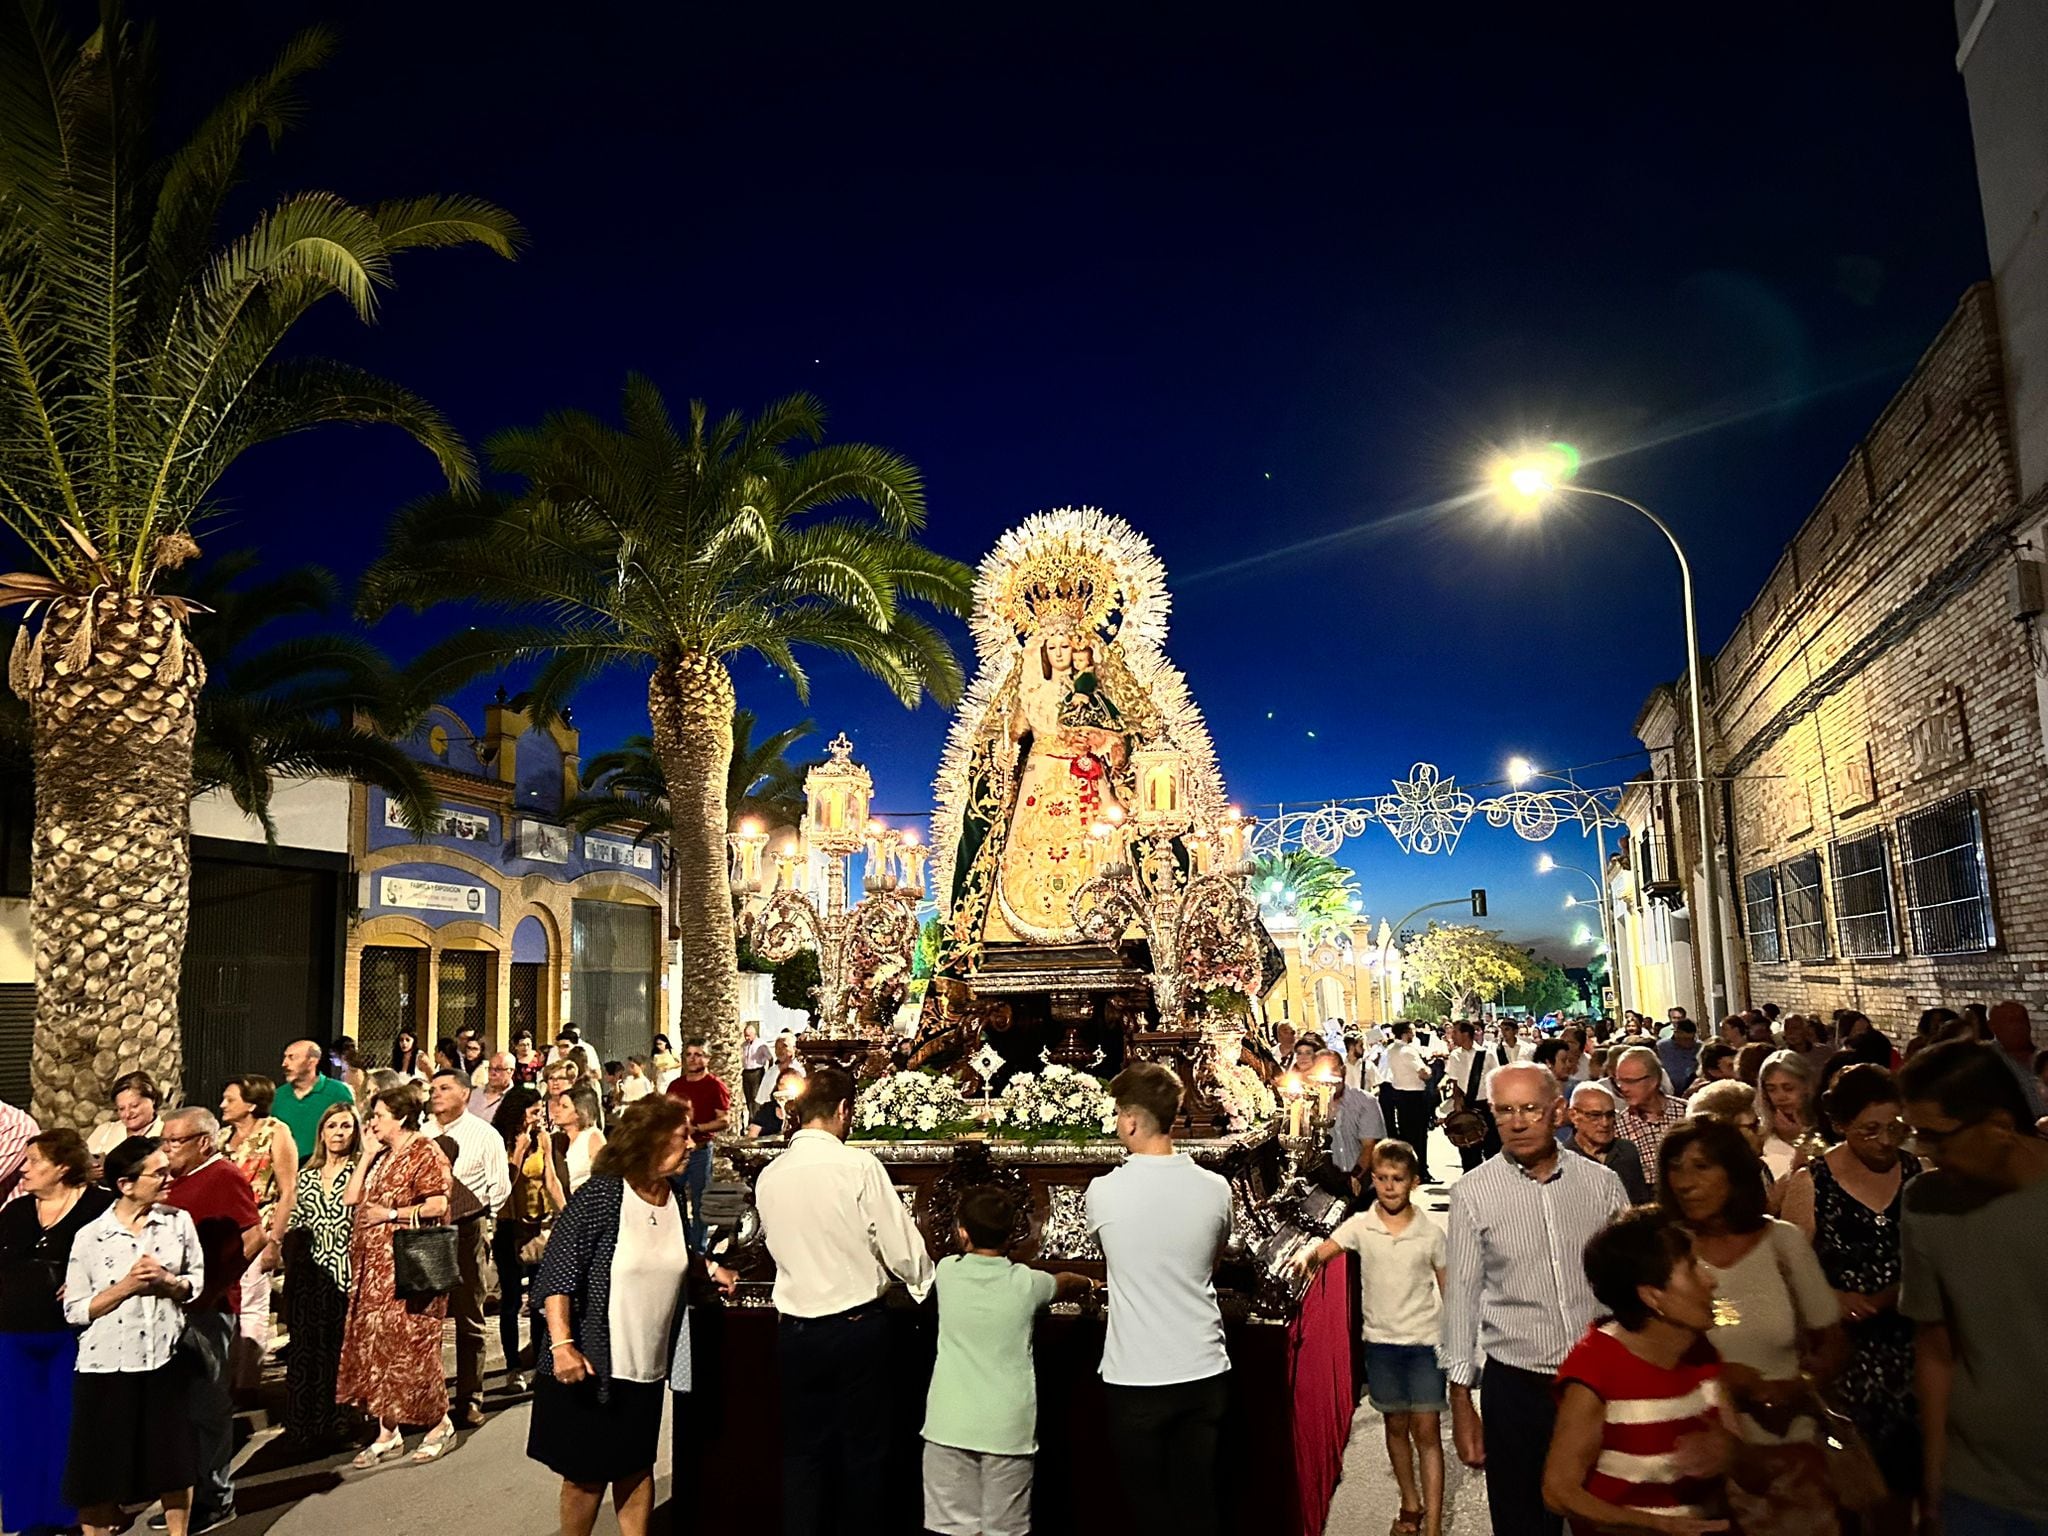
(316, 1246)
(391, 1358)
(270, 1163)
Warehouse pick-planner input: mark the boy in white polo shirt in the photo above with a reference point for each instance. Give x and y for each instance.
(1162, 1220)
(981, 1415)
(1401, 1278)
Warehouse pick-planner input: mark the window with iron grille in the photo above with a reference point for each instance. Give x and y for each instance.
(1806, 928)
(1865, 926)
(1948, 878)
(390, 1001)
(1760, 914)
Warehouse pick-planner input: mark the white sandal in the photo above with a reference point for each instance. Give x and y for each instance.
(377, 1450)
(439, 1438)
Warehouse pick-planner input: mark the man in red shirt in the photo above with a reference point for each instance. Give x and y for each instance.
(213, 1192)
(710, 1104)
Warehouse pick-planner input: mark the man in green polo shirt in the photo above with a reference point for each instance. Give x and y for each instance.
(303, 1096)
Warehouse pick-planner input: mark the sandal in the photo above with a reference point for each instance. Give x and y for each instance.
(1407, 1523)
(377, 1450)
(438, 1440)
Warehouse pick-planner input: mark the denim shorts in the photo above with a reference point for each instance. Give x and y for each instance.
(1404, 1378)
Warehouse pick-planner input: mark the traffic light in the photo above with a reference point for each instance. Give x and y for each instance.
(1479, 902)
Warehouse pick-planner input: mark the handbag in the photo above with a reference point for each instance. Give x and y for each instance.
(1852, 1470)
(1466, 1127)
(423, 1264)
(531, 1251)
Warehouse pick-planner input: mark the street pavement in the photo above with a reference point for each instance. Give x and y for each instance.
(486, 1486)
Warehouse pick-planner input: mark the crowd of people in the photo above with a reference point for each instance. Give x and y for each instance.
(1773, 1281)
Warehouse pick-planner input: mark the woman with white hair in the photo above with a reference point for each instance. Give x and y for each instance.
(1784, 1106)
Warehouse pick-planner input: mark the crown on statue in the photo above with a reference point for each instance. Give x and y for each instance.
(1062, 606)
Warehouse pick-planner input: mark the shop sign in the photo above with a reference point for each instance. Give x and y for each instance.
(431, 895)
(463, 826)
(603, 850)
(541, 841)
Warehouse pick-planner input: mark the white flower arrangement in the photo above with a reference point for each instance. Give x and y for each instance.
(908, 1105)
(1057, 1102)
(1247, 1101)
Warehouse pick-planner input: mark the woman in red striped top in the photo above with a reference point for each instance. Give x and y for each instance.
(1642, 1435)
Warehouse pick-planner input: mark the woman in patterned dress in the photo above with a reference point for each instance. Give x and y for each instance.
(316, 1281)
(1849, 1202)
(391, 1357)
(270, 1163)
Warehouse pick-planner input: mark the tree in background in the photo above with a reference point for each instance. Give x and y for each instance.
(1314, 891)
(1548, 991)
(674, 549)
(1455, 961)
(138, 362)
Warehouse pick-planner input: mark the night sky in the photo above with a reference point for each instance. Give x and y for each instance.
(1269, 284)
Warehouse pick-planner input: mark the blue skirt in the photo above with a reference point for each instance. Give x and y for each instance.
(35, 1426)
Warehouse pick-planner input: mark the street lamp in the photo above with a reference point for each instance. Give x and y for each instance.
(1520, 772)
(1524, 483)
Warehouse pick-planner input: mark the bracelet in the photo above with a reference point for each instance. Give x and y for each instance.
(561, 1344)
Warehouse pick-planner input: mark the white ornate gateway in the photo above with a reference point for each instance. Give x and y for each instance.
(1041, 765)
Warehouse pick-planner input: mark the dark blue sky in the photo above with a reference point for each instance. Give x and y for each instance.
(1268, 285)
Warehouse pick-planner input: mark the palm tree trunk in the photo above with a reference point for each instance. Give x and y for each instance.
(689, 705)
(111, 686)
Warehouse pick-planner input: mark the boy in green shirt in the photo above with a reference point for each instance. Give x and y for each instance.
(981, 1416)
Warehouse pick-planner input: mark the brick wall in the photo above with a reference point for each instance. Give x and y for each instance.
(1878, 673)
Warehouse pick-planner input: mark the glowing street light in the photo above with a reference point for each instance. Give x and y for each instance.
(1524, 482)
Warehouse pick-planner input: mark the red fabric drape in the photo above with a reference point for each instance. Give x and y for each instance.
(1321, 1385)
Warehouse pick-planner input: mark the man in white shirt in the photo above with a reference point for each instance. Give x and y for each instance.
(837, 1231)
(484, 1183)
(1408, 1088)
(1466, 1071)
(1162, 1221)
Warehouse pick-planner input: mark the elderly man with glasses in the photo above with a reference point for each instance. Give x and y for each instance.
(213, 1192)
(1591, 1130)
(1516, 1298)
(1647, 1112)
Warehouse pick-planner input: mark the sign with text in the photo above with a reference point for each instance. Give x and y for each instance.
(604, 850)
(541, 841)
(431, 895)
(465, 826)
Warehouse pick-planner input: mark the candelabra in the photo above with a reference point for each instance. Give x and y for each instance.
(864, 951)
(1154, 873)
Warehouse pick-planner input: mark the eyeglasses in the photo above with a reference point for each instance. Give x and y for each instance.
(1634, 1082)
(1891, 1130)
(179, 1141)
(1930, 1139)
(1593, 1114)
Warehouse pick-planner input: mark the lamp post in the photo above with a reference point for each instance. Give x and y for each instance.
(1524, 484)
(1547, 865)
(1520, 772)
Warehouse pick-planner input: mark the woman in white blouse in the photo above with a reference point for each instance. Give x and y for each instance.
(132, 1272)
(577, 1136)
(1784, 1103)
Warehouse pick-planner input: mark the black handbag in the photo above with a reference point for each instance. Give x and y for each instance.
(423, 1264)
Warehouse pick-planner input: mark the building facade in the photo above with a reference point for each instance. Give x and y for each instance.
(1337, 977)
(500, 917)
(1878, 739)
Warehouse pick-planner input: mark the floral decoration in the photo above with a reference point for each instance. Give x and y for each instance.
(1057, 1103)
(911, 1105)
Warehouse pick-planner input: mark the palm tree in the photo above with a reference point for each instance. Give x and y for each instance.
(676, 549)
(626, 786)
(313, 705)
(1315, 890)
(137, 362)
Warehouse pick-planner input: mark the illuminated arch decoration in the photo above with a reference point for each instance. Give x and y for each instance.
(1428, 813)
